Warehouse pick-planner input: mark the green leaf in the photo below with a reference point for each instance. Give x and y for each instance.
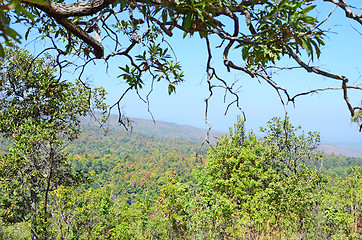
(317, 50)
(171, 88)
(307, 46)
(319, 40)
(13, 34)
(308, 9)
(164, 16)
(308, 19)
(171, 14)
(245, 52)
(188, 20)
(200, 14)
(2, 52)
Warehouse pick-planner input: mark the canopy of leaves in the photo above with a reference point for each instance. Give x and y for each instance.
(37, 113)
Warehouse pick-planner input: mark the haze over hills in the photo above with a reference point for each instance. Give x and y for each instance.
(174, 130)
(338, 150)
(162, 129)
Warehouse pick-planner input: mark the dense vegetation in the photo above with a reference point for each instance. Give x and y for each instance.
(145, 187)
(134, 163)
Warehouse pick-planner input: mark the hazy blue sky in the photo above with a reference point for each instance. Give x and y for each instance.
(325, 112)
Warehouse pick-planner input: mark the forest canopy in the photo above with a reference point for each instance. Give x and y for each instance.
(146, 187)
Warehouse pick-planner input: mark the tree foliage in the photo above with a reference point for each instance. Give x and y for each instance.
(253, 189)
(38, 113)
(263, 183)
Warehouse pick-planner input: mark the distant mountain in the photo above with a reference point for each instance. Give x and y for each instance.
(338, 150)
(165, 129)
(174, 130)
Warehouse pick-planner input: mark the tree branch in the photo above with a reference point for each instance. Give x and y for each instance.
(349, 12)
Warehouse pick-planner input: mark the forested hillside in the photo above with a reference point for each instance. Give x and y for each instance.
(134, 163)
(158, 128)
(144, 187)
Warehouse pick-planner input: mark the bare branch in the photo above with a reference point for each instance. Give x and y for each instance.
(349, 12)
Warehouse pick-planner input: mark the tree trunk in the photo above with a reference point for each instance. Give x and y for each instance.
(33, 209)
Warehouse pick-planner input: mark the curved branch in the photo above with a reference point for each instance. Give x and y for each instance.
(98, 49)
(315, 70)
(349, 12)
(81, 8)
(87, 8)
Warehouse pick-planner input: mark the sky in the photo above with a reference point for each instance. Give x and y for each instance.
(325, 112)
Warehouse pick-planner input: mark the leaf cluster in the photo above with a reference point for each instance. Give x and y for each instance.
(281, 27)
(38, 113)
(157, 61)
